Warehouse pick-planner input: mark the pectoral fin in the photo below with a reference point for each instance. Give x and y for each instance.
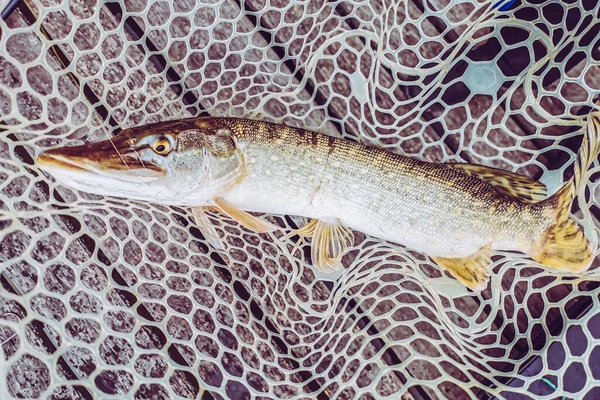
(473, 271)
(207, 228)
(507, 183)
(330, 242)
(243, 218)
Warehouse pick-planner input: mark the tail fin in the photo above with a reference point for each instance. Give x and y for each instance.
(590, 147)
(563, 245)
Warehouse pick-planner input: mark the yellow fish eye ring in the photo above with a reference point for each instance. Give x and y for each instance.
(162, 147)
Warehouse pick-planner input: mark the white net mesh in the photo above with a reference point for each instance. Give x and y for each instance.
(112, 298)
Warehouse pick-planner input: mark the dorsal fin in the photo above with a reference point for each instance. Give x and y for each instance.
(507, 183)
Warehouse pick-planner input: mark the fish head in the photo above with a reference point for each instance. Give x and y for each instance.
(175, 163)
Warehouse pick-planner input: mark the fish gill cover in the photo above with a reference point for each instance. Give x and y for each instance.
(105, 297)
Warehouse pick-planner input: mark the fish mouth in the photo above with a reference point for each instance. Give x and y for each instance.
(84, 163)
(47, 161)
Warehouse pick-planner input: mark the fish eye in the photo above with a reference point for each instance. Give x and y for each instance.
(162, 147)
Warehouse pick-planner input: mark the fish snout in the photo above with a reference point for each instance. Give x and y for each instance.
(56, 158)
(102, 155)
(110, 158)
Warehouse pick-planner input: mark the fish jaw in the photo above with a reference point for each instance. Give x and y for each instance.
(94, 168)
(97, 159)
(114, 157)
(49, 162)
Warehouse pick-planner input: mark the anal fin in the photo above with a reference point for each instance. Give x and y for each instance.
(507, 183)
(472, 271)
(330, 242)
(245, 219)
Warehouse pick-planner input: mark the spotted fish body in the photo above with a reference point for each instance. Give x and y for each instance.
(455, 213)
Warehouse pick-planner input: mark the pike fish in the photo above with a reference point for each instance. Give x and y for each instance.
(457, 214)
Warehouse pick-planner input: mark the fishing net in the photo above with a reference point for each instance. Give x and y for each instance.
(111, 298)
